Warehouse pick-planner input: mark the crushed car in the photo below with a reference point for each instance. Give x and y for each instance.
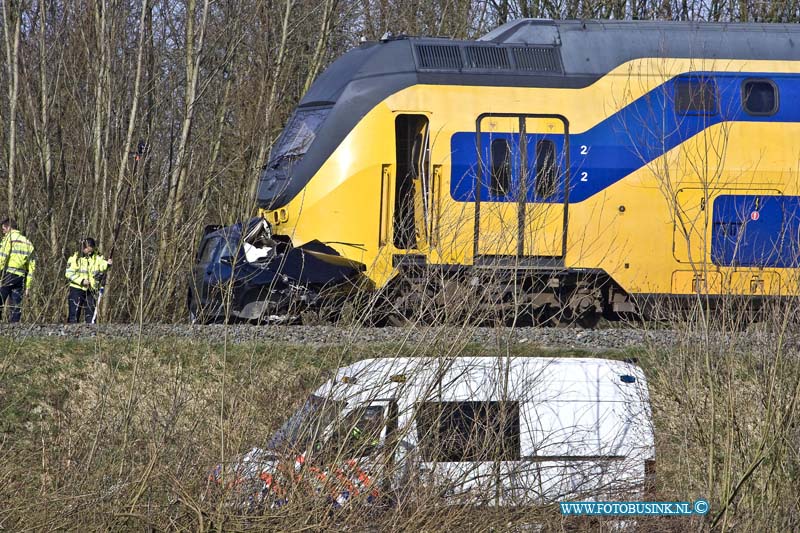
(242, 272)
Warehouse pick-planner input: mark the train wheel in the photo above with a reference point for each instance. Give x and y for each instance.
(547, 316)
(388, 318)
(588, 320)
(384, 312)
(392, 306)
(524, 317)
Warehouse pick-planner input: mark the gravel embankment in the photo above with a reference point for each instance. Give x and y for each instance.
(591, 340)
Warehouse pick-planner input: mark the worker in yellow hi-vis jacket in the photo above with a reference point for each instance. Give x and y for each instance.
(17, 264)
(85, 271)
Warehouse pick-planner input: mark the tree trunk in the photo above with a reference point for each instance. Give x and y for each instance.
(98, 119)
(276, 75)
(322, 42)
(12, 15)
(126, 148)
(193, 52)
(44, 110)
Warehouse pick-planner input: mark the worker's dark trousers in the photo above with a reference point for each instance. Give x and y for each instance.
(81, 300)
(11, 290)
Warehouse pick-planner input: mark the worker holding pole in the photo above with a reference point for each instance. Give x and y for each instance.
(86, 271)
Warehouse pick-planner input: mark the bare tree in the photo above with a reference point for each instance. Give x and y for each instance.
(12, 22)
(195, 39)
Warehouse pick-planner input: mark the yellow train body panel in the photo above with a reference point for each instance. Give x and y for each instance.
(650, 230)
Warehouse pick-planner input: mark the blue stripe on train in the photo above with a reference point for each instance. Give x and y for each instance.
(622, 143)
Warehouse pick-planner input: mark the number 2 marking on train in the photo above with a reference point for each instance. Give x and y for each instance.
(584, 150)
(584, 176)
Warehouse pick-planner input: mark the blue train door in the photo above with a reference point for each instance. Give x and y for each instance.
(521, 190)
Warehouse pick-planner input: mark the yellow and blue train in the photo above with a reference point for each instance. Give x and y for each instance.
(568, 169)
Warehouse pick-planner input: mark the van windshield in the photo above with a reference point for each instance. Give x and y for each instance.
(306, 424)
(356, 434)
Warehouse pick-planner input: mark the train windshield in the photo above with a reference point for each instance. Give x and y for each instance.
(306, 424)
(299, 133)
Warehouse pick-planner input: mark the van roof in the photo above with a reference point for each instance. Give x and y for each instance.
(563, 366)
(489, 379)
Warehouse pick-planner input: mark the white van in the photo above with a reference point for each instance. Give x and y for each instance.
(492, 430)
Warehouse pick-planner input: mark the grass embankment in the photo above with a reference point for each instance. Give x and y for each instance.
(110, 434)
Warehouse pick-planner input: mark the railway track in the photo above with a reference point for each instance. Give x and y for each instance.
(439, 339)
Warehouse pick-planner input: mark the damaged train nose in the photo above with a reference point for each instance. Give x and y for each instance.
(242, 272)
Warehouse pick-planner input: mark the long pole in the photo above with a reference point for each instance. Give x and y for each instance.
(137, 155)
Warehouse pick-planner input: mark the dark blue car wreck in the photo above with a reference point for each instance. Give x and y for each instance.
(242, 273)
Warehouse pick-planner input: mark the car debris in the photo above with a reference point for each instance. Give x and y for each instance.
(242, 272)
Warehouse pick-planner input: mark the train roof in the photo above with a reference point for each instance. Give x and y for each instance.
(533, 52)
(599, 46)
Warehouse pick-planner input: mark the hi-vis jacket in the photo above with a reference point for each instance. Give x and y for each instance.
(85, 267)
(17, 256)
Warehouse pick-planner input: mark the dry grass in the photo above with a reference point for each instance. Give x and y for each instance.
(110, 434)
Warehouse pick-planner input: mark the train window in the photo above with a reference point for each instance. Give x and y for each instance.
(501, 167)
(760, 97)
(546, 169)
(696, 96)
(299, 133)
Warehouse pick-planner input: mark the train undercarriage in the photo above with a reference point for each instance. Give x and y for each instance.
(244, 274)
(511, 297)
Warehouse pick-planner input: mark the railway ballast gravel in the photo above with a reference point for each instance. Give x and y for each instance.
(598, 340)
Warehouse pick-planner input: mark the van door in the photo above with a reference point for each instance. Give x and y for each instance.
(586, 431)
(466, 448)
(572, 449)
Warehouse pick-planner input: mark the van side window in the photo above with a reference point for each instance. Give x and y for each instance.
(501, 167)
(208, 250)
(760, 97)
(696, 95)
(546, 169)
(469, 431)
